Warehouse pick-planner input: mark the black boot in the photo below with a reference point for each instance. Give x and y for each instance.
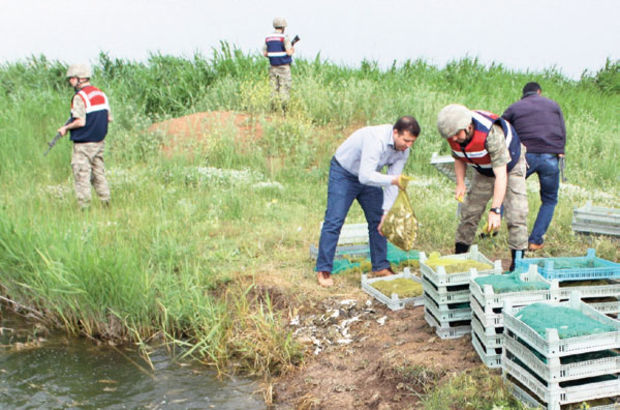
(513, 252)
(460, 247)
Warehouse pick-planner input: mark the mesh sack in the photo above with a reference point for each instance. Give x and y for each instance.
(400, 225)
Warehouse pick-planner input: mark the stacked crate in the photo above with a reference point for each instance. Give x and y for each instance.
(446, 295)
(596, 220)
(550, 371)
(597, 280)
(487, 324)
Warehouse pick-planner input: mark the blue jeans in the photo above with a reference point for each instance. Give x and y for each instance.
(546, 166)
(343, 187)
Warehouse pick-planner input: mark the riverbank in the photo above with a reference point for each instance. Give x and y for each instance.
(205, 244)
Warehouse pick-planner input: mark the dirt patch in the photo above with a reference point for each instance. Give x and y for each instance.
(198, 128)
(363, 355)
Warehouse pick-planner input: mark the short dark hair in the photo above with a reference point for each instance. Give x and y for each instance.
(531, 87)
(407, 123)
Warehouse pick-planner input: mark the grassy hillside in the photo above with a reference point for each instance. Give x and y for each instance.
(176, 255)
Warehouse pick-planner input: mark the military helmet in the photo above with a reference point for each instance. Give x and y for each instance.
(453, 118)
(79, 71)
(279, 22)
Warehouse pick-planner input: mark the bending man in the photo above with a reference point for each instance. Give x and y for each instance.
(355, 173)
(489, 144)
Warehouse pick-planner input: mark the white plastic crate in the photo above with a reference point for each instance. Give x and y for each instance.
(443, 296)
(353, 240)
(596, 220)
(445, 331)
(443, 313)
(487, 317)
(607, 308)
(492, 338)
(552, 346)
(441, 278)
(488, 299)
(491, 360)
(393, 301)
(445, 165)
(527, 399)
(591, 291)
(555, 395)
(554, 371)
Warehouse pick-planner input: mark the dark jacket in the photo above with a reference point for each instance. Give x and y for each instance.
(539, 123)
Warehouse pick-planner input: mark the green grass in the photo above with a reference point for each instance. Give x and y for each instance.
(176, 253)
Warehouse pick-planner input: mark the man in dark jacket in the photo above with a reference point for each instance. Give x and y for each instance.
(539, 123)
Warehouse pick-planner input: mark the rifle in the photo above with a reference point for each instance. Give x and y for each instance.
(52, 143)
(295, 40)
(55, 140)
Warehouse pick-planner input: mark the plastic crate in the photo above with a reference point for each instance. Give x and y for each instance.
(393, 302)
(445, 165)
(555, 372)
(491, 337)
(607, 270)
(488, 299)
(607, 308)
(446, 330)
(552, 346)
(353, 240)
(555, 395)
(491, 360)
(596, 220)
(487, 317)
(591, 291)
(443, 296)
(441, 278)
(443, 313)
(527, 398)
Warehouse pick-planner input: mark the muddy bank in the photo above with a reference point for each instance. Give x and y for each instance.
(363, 355)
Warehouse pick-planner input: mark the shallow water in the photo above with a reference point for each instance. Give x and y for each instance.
(62, 372)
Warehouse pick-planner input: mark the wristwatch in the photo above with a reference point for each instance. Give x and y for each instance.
(496, 210)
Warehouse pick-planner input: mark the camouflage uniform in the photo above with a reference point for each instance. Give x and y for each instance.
(87, 163)
(280, 79)
(481, 190)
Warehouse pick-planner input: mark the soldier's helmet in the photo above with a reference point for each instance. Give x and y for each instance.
(279, 22)
(453, 118)
(79, 71)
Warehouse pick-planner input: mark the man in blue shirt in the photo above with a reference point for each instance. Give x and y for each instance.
(355, 173)
(539, 123)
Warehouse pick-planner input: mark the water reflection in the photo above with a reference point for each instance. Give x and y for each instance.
(60, 372)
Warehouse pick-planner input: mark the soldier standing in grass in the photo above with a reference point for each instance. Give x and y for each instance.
(90, 114)
(489, 144)
(354, 173)
(539, 122)
(279, 50)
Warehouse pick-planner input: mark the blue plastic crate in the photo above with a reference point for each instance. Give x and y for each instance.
(549, 269)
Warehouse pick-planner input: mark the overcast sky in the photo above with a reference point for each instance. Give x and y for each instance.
(520, 34)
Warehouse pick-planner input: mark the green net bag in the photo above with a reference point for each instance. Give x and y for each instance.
(400, 225)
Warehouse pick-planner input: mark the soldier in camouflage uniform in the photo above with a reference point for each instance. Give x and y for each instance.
(488, 143)
(90, 115)
(279, 50)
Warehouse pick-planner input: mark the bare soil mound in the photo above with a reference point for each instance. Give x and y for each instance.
(199, 128)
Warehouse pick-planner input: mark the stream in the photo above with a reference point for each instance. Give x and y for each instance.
(57, 371)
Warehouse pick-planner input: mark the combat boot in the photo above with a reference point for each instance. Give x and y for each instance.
(513, 253)
(460, 247)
